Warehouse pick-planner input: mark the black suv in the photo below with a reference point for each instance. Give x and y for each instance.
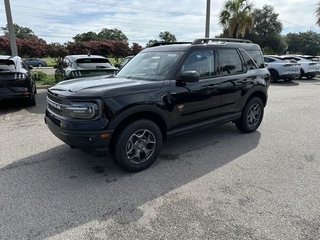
(164, 91)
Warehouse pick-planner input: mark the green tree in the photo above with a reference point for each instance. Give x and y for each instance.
(317, 13)
(236, 17)
(112, 34)
(267, 31)
(151, 42)
(266, 21)
(166, 36)
(20, 32)
(304, 43)
(84, 37)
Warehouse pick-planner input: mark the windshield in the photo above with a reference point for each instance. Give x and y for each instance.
(150, 65)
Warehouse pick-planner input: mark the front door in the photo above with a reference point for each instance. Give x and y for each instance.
(196, 101)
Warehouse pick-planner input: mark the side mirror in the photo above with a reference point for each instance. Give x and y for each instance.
(190, 76)
(30, 67)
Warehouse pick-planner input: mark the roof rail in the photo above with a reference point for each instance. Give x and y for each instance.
(168, 43)
(207, 40)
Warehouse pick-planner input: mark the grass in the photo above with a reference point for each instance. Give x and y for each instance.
(42, 78)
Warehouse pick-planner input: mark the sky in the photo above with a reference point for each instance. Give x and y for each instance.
(142, 20)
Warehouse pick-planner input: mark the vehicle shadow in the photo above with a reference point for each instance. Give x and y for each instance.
(293, 83)
(16, 105)
(57, 190)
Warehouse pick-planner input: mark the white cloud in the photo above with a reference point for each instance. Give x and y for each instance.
(59, 21)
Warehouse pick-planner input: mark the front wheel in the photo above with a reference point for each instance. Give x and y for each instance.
(252, 115)
(137, 146)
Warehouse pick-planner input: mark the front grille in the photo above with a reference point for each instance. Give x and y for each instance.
(55, 104)
(54, 110)
(54, 98)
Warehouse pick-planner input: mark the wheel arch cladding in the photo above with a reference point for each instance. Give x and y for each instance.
(128, 117)
(258, 94)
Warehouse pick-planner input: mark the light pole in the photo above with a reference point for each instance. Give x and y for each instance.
(207, 19)
(13, 44)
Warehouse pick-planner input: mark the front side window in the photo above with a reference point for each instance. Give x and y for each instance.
(201, 62)
(230, 62)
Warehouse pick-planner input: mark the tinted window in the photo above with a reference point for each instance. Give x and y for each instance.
(249, 63)
(202, 62)
(268, 60)
(257, 57)
(230, 62)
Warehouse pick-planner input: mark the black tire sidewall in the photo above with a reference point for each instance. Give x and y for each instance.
(274, 76)
(118, 148)
(242, 124)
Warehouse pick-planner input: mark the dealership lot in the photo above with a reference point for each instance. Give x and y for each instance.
(214, 184)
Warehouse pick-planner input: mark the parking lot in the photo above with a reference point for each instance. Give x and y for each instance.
(214, 184)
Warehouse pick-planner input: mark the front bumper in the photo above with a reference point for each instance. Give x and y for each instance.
(94, 142)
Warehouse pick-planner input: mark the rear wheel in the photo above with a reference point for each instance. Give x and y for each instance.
(310, 77)
(32, 100)
(252, 115)
(40, 65)
(301, 74)
(137, 146)
(274, 75)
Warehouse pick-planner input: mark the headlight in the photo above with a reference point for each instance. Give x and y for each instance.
(85, 110)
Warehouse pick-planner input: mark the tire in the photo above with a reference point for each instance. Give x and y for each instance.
(274, 75)
(40, 65)
(32, 100)
(128, 149)
(252, 115)
(288, 80)
(301, 74)
(310, 77)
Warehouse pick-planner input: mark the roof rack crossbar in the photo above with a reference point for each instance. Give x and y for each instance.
(207, 40)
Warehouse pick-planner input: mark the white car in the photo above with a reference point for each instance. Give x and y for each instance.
(282, 69)
(308, 69)
(312, 58)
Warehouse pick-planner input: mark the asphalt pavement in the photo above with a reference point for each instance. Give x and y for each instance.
(212, 184)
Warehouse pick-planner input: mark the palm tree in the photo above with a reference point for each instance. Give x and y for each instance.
(317, 13)
(236, 17)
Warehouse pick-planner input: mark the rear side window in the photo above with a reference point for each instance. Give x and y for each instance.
(250, 64)
(257, 57)
(230, 62)
(268, 60)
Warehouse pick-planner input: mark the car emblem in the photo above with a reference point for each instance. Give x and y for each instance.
(180, 107)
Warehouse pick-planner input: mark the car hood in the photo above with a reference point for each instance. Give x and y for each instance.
(104, 86)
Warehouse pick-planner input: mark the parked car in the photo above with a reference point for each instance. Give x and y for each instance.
(79, 66)
(16, 80)
(313, 59)
(164, 91)
(35, 62)
(282, 69)
(308, 68)
(124, 61)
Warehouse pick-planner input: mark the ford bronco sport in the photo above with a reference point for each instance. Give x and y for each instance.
(164, 91)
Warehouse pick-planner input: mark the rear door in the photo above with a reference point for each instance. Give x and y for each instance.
(234, 78)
